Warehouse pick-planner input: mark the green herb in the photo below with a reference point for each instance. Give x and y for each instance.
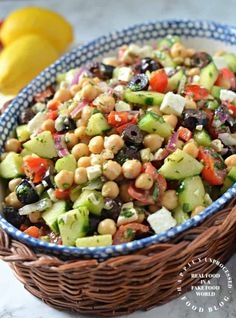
(66, 185)
(155, 193)
(127, 213)
(129, 234)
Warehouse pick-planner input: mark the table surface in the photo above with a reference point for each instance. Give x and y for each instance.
(92, 18)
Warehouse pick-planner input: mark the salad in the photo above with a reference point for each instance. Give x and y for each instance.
(124, 148)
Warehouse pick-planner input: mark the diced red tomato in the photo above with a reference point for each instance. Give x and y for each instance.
(33, 231)
(184, 133)
(158, 81)
(151, 170)
(116, 119)
(52, 114)
(196, 92)
(127, 232)
(62, 194)
(133, 121)
(35, 168)
(53, 104)
(226, 79)
(231, 108)
(214, 171)
(143, 196)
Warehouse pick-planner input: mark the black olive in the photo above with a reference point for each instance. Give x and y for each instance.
(148, 64)
(230, 150)
(112, 209)
(48, 181)
(93, 224)
(193, 117)
(139, 82)
(200, 59)
(132, 135)
(26, 115)
(69, 124)
(101, 70)
(223, 115)
(26, 193)
(127, 153)
(12, 216)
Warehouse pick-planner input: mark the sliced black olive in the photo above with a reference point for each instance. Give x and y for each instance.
(132, 135)
(193, 117)
(148, 64)
(26, 115)
(26, 193)
(230, 150)
(48, 181)
(200, 59)
(69, 124)
(101, 70)
(127, 153)
(93, 224)
(12, 216)
(139, 82)
(111, 209)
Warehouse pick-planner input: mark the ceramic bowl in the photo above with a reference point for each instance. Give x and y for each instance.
(205, 35)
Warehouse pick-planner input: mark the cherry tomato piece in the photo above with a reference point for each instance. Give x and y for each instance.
(158, 81)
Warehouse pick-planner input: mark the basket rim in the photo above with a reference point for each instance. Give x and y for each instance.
(108, 251)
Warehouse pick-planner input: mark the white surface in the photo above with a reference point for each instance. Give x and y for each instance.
(92, 18)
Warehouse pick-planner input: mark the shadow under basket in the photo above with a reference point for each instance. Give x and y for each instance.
(124, 284)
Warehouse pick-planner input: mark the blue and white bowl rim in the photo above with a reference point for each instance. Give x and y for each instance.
(186, 28)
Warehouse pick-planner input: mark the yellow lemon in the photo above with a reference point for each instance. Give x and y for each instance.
(22, 60)
(35, 20)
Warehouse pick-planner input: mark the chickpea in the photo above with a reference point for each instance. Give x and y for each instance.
(153, 208)
(90, 91)
(111, 170)
(80, 176)
(155, 109)
(144, 181)
(62, 95)
(71, 140)
(190, 103)
(197, 210)
(14, 183)
(110, 61)
(141, 217)
(64, 179)
(107, 154)
(84, 162)
(86, 113)
(107, 226)
(231, 161)
(85, 140)
(110, 189)
(13, 144)
(153, 142)
(172, 120)
(113, 143)
(178, 50)
(105, 103)
(194, 71)
(80, 122)
(131, 169)
(74, 89)
(80, 150)
(48, 124)
(80, 132)
(191, 149)
(12, 200)
(179, 60)
(34, 217)
(124, 195)
(169, 199)
(96, 144)
(190, 52)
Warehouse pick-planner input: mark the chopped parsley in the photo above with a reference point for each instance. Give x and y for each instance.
(127, 213)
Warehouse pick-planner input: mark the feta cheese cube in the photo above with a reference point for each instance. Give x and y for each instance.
(227, 95)
(125, 74)
(122, 106)
(220, 62)
(94, 172)
(36, 122)
(127, 215)
(173, 104)
(146, 155)
(196, 79)
(161, 220)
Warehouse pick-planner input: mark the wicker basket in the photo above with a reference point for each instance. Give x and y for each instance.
(123, 284)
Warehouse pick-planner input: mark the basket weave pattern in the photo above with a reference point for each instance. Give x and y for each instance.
(123, 284)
